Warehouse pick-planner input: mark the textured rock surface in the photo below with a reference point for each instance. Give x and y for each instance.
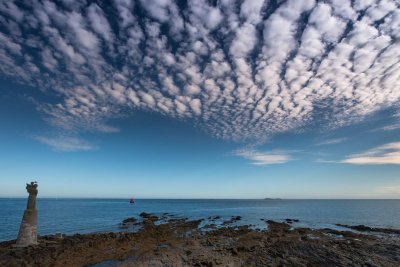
(182, 243)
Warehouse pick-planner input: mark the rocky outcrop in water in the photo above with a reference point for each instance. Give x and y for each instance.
(364, 228)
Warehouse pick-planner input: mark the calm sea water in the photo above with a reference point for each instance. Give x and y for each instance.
(96, 215)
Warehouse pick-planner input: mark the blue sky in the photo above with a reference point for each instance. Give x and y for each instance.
(221, 99)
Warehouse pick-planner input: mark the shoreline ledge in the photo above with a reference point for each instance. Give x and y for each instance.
(182, 242)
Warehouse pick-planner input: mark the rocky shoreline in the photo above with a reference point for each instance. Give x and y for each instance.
(182, 242)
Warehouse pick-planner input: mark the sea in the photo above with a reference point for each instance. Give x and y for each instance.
(70, 216)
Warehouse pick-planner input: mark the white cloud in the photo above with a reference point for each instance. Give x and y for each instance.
(332, 141)
(391, 127)
(99, 23)
(250, 10)
(157, 8)
(387, 128)
(205, 14)
(265, 158)
(124, 9)
(244, 41)
(66, 143)
(195, 104)
(385, 154)
(9, 8)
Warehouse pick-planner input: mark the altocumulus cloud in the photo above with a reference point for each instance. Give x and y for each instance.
(240, 70)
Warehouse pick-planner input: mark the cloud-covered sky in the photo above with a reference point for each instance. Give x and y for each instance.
(239, 71)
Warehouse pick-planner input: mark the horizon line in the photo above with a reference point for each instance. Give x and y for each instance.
(155, 198)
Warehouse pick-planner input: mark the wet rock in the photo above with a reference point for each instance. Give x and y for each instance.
(127, 223)
(233, 219)
(364, 228)
(145, 215)
(149, 216)
(291, 220)
(236, 218)
(214, 218)
(130, 220)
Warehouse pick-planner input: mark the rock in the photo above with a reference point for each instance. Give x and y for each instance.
(180, 242)
(144, 215)
(234, 251)
(129, 220)
(277, 226)
(236, 218)
(291, 220)
(233, 219)
(148, 216)
(364, 228)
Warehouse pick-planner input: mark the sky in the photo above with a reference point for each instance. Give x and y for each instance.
(200, 99)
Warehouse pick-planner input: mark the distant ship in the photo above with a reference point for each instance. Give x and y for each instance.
(267, 198)
(132, 200)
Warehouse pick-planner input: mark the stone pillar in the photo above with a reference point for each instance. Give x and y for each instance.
(28, 230)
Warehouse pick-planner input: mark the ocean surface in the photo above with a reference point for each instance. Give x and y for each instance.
(97, 215)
